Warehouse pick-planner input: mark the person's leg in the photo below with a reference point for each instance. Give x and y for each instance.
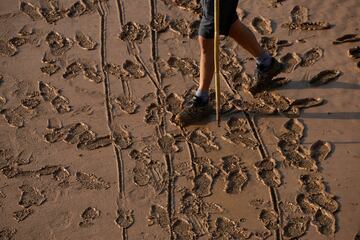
(267, 67)
(206, 64)
(245, 38)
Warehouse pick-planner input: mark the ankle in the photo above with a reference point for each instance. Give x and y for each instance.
(202, 94)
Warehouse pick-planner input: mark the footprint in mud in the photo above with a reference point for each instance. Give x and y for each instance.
(236, 137)
(24, 158)
(269, 218)
(18, 41)
(77, 9)
(85, 41)
(6, 157)
(167, 144)
(296, 227)
(203, 138)
(134, 32)
(182, 230)
(354, 53)
(236, 174)
(295, 126)
(237, 123)
(47, 92)
(228, 229)
(299, 14)
(320, 150)
(325, 77)
(180, 26)
(186, 66)
(31, 196)
(300, 159)
(152, 114)
(262, 25)
(93, 73)
(253, 107)
(305, 205)
(164, 69)
(173, 103)
(147, 171)
(291, 61)
(347, 38)
(95, 143)
(267, 173)
(50, 68)
(73, 70)
(198, 211)
(122, 138)
(189, 5)
(62, 175)
(325, 222)
(31, 101)
(158, 215)
(231, 67)
(90, 181)
(115, 70)
(7, 49)
(311, 57)
(308, 102)
(15, 117)
(308, 26)
(30, 10)
(134, 70)
(160, 23)
(205, 173)
(52, 13)
(73, 133)
(7, 233)
(269, 44)
(21, 215)
(274, 100)
(61, 104)
(125, 218)
(56, 134)
(325, 201)
(88, 217)
(312, 184)
(58, 44)
(126, 104)
(203, 185)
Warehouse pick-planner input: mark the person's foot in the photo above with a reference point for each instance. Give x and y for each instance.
(197, 110)
(263, 75)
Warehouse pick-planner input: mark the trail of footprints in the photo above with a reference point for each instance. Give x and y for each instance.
(316, 204)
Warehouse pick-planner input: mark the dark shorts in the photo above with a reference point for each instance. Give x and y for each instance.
(228, 16)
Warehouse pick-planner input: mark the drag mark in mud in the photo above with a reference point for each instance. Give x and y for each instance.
(264, 155)
(119, 160)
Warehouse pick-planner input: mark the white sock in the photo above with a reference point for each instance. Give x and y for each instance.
(264, 59)
(204, 95)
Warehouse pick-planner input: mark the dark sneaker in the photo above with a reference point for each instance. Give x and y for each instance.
(264, 75)
(194, 112)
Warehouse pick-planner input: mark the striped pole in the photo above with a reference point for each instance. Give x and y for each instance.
(216, 59)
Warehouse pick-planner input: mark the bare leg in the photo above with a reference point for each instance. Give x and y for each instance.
(206, 63)
(245, 37)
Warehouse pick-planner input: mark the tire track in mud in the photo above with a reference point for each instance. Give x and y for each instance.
(119, 161)
(274, 196)
(156, 80)
(161, 101)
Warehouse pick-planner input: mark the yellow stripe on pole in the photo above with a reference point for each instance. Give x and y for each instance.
(216, 59)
